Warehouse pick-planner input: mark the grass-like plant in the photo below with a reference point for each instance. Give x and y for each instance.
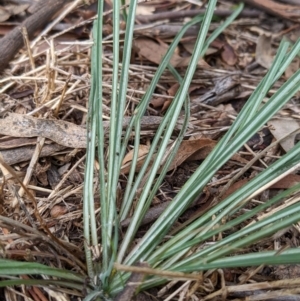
(179, 252)
(171, 254)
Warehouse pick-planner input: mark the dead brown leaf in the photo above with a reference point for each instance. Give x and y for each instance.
(281, 128)
(152, 214)
(165, 103)
(227, 52)
(154, 52)
(172, 91)
(263, 54)
(287, 182)
(228, 55)
(143, 150)
(292, 68)
(190, 150)
(234, 187)
(58, 211)
(62, 132)
(290, 12)
(157, 102)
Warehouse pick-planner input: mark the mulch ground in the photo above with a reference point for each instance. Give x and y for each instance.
(44, 90)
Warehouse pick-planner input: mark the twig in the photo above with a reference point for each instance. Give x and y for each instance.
(11, 43)
(192, 13)
(289, 12)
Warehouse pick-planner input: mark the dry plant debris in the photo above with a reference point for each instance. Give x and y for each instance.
(43, 110)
